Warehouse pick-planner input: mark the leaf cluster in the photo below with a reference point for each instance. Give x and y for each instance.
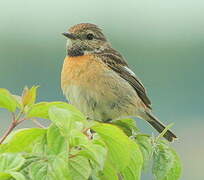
(67, 150)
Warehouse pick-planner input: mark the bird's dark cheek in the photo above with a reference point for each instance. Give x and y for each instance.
(75, 51)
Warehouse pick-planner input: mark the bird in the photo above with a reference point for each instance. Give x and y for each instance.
(97, 80)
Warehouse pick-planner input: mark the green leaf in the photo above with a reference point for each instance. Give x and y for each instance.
(108, 173)
(77, 138)
(29, 95)
(50, 168)
(80, 168)
(29, 158)
(4, 176)
(40, 147)
(94, 152)
(133, 170)
(13, 175)
(22, 140)
(7, 101)
(55, 141)
(175, 171)
(59, 168)
(117, 142)
(39, 170)
(127, 125)
(64, 119)
(17, 175)
(18, 100)
(40, 110)
(166, 163)
(10, 162)
(162, 162)
(145, 146)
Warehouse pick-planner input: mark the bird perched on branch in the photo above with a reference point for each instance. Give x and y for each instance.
(98, 81)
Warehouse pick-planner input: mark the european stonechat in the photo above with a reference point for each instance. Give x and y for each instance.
(98, 81)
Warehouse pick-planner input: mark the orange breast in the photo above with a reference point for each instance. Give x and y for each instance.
(81, 70)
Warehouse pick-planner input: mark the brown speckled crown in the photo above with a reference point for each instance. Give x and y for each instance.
(83, 26)
(82, 43)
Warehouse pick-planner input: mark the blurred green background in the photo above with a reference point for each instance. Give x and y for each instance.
(163, 42)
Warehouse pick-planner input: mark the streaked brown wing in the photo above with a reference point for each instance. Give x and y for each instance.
(117, 63)
(134, 82)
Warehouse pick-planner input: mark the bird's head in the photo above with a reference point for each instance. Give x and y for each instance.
(84, 39)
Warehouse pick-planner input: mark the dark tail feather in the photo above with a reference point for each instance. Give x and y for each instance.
(170, 136)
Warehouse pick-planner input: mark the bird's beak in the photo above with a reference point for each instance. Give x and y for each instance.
(69, 35)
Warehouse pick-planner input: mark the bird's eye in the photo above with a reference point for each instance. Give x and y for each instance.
(90, 36)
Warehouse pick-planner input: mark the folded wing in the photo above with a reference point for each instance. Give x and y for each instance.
(117, 63)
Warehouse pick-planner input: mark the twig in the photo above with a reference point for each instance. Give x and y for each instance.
(38, 124)
(19, 115)
(72, 155)
(13, 116)
(8, 131)
(163, 132)
(21, 120)
(16, 120)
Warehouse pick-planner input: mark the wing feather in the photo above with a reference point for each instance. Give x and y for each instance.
(117, 63)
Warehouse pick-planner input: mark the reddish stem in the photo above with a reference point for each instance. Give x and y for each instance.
(8, 131)
(72, 156)
(15, 121)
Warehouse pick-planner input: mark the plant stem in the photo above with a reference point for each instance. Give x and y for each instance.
(8, 131)
(163, 132)
(15, 122)
(72, 156)
(38, 124)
